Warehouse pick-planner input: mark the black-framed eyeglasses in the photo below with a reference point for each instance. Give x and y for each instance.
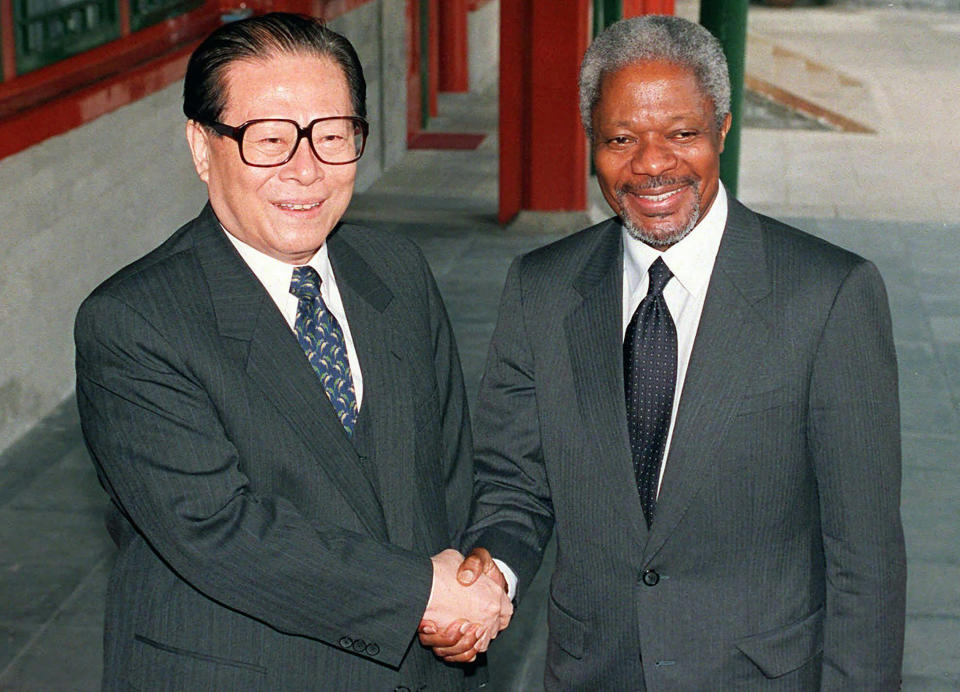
(267, 142)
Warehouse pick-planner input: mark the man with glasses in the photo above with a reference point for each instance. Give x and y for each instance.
(274, 403)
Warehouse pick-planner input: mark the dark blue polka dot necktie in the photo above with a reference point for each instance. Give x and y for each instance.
(649, 377)
(322, 340)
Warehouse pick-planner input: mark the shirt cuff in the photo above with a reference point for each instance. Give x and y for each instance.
(509, 576)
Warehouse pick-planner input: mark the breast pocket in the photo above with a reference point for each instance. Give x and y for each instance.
(758, 402)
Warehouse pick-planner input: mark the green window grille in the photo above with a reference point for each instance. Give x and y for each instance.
(144, 13)
(50, 30)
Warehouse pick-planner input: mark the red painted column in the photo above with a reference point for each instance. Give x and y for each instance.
(635, 8)
(514, 111)
(8, 58)
(543, 151)
(433, 58)
(454, 75)
(560, 33)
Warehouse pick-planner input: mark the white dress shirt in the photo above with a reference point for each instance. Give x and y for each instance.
(275, 275)
(691, 262)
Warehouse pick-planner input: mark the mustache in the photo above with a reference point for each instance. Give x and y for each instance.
(653, 183)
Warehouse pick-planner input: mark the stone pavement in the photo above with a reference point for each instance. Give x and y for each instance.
(892, 196)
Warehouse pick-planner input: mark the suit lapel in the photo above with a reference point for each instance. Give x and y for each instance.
(733, 332)
(594, 334)
(277, 366)
(387, 440)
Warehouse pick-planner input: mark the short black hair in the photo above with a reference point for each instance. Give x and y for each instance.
(260, 38)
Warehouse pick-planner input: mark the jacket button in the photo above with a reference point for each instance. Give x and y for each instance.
(373, 649)
(651, 578)
(346, 642)
(359, 645)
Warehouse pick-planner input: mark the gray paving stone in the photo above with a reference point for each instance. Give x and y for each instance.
(932, 589)
(37, 591)
(932, 532)
(931, 652)
(72, 487)
(909, 315)
(13, 638)
(931, 450)
(47, 538)
(918, 683)
(946, 329)
(63, 659)
(925, 398)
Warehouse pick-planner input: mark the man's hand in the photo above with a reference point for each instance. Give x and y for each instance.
(462, 639)
(479, 562)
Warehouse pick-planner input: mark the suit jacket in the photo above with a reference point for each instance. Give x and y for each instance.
(260, 547)
(775, 559)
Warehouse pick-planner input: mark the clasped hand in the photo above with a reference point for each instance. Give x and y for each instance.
(468, 605)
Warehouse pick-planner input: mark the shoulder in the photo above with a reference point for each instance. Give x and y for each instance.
(379, 246)
(784, 243)
(566, 257)
(155, 266)
(802, 267)
(370, 255)
(150, 283)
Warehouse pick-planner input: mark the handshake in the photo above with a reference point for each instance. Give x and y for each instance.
(468, 605)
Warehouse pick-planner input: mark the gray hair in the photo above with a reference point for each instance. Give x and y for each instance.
(660, 38)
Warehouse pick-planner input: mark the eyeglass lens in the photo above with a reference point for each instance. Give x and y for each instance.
(337, 140)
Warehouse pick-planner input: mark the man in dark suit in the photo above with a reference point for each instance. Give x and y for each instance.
(702, 402)
(274, 403)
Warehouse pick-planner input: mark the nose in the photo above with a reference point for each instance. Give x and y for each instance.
(304, 167)
(653, 157)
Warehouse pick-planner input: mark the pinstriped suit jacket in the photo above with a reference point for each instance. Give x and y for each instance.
(776, 558)
(260, 548)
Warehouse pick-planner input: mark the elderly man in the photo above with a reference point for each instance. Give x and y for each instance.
(274, 403)
(702, 402)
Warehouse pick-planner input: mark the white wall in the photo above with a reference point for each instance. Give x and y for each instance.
(77, 207)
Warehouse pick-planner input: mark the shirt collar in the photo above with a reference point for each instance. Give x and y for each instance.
(274, 274)
(690, 260)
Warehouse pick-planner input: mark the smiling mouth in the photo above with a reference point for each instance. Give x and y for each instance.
(660, 197)
(297, 207)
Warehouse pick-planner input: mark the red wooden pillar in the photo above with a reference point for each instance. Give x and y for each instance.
(543, 151)
(433, 54)
(423, 50)
(634, 8)
(454, 75)
(8, 54)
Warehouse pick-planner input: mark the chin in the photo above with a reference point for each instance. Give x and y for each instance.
(660, 238)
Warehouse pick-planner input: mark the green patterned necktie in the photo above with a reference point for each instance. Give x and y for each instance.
(322, 340)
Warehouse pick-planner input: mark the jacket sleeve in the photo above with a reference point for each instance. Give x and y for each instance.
(854, 442)
(457, 442)
(169, 465)
(512, 514)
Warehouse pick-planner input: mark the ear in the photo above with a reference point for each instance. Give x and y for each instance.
(199, 140)
(724, 129)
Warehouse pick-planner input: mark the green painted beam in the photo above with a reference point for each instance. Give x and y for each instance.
(727, 20)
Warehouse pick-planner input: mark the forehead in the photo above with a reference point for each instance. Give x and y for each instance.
(652, 85)
(286, 81)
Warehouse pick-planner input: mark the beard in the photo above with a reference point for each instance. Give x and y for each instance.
(666, 234)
